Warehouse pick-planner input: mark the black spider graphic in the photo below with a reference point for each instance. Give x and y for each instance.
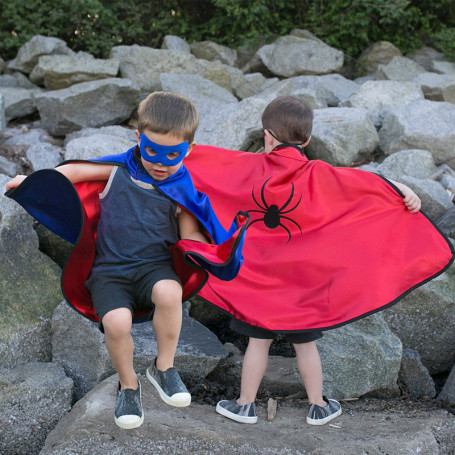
(272, 214)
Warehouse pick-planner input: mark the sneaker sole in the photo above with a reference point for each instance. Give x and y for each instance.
(129, 422)
(179, 400)
(323, 421)
(232, 416)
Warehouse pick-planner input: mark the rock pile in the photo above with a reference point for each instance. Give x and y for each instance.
(55, 104)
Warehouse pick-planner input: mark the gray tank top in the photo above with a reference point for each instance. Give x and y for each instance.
(137, 225)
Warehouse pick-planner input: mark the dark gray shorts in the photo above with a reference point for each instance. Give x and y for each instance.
(134, 291)
(252, 331)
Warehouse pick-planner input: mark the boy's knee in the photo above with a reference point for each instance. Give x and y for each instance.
(167, 293)
(117, 322)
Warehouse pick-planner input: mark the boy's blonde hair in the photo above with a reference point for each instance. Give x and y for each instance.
(289, 118)
(168, 113)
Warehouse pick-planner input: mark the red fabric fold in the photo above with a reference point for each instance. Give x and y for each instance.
(325, 245)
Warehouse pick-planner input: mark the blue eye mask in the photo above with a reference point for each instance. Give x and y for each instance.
(161, 151)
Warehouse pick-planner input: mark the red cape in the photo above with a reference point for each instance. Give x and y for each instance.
(325, 245)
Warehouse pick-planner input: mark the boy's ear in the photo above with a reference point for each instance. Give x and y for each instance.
(307, 142)
(190, 147)
(137, 136)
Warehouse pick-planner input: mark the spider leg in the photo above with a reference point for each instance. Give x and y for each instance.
(287, 230)
(262, 194)
(293, 208)
(257, 211)
(289, 200)
(255, 221)
(292, 221)
(256, 202)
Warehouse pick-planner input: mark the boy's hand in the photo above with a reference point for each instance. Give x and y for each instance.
(15, 182)
(410, 199)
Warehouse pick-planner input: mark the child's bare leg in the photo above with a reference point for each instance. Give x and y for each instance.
(119, 342)
(254, 365)
(310, 368)
(167, 320)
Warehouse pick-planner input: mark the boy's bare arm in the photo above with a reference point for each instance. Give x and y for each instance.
(410, 199)
(75, 172)
(189, 227)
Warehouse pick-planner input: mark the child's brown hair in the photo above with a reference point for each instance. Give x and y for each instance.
(168, 113)
(290, 119)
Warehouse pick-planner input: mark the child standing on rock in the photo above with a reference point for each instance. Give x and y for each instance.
(296, 276)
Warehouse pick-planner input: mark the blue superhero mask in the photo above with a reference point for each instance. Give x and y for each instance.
(162, 151)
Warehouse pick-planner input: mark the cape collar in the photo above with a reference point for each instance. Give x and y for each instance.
(288, 152)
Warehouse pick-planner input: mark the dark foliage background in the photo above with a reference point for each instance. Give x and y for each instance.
(351, 25)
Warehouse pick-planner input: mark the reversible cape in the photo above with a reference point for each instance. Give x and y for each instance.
(324, 246)
(72, 212)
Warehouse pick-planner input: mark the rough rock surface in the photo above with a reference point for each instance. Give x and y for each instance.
(34, 397)
(370, 426)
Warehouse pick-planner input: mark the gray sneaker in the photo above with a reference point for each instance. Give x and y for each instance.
(232, 410)
(169, 386)
(128, 408)
(318, 415)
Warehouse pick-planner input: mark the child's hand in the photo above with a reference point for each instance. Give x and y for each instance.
(411, 200)
(16, 181)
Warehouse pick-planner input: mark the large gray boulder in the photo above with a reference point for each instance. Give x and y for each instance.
(16, 79)
(88, 104)
(447, 394)
(7, 167)
(223, 75)
(342, 135)
(425, 321)
(29, 288)
(121, 132)
(426, 56)
(423, 124)
(251, 84)
(224, 131)
(96, 146)
(208, 50)
(339, 88)
(399, 69)
(443, 67)
(28, 55)
(364, 427)
(292, 56)
(175, 43)
(220, 114)
(359, 358)
(143, 65)
(18, 102)
(414, 163)
(35, 396)
(415, 376)
(310, 88)
(437, 87)
(380, 53)
(78, 345)
(61, 71)
(41, 153)
(379, 97)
